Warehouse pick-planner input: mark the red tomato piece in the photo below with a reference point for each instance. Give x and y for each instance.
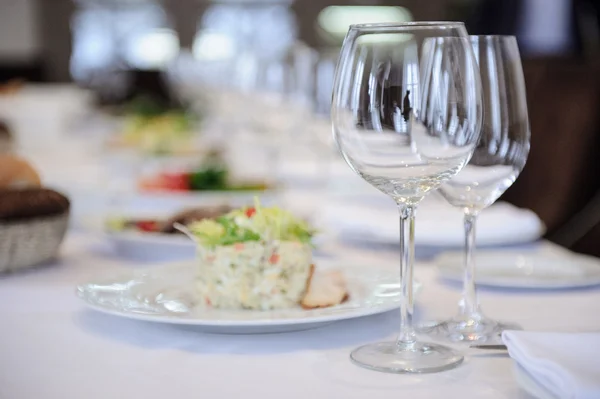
(175, 181)
(147, 225)
(250, 212)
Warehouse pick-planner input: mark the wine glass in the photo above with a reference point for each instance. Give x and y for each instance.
(406, 116)
(497, 161)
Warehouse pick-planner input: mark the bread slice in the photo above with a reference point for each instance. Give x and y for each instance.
(325, 290)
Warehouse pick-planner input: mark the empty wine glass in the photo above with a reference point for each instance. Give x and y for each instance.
(406, 116)
(497, 161)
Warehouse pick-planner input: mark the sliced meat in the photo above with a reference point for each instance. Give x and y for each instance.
(324, 290)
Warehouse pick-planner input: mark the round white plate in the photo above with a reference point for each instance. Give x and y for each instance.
(97, 205)
(138, 245)
(166, 294)
(154, 247)
(159, 247)
(144, 246)
(534, 270)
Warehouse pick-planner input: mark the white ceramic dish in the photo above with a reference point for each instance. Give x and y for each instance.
(530, 270)
(159, 247)
(166, 294)
(150, 246)
(95, 206)
(139, 245)
(155, 247)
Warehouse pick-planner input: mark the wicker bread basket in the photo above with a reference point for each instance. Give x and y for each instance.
(33, 227)
(25, 244)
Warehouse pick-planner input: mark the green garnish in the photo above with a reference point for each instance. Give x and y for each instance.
(252, 224)
(210, 178)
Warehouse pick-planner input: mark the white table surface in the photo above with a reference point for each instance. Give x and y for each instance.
(51, 346)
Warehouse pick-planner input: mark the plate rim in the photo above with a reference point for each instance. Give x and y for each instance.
(343, 314)
(514, 282)
(149, 238)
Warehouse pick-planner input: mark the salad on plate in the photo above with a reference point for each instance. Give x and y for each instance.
(260, 258)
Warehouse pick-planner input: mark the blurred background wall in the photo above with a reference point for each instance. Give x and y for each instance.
(20, 44)
(54, 40)
(97, 43)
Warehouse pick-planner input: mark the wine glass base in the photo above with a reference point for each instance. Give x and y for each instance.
(421, 358)
(471, 330)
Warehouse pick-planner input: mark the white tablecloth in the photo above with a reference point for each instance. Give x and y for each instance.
(51, 346)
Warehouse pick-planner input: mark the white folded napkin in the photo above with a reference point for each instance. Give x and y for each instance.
(565, 364)
(438, 223)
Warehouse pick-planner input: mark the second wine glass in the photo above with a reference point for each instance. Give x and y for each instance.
(496, 163)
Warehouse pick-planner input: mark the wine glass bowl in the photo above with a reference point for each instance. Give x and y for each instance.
(402, 135)
(406, 116)
(504, 145)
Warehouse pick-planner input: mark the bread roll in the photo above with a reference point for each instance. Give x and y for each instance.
(15, 172)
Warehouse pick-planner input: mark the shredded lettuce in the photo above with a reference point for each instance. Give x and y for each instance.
(252, 224)
(208, 231)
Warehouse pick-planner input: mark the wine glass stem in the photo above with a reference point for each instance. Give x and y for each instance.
(407, 336)
(470, 304)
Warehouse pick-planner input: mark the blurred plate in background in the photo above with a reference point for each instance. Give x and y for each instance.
(554, 269)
